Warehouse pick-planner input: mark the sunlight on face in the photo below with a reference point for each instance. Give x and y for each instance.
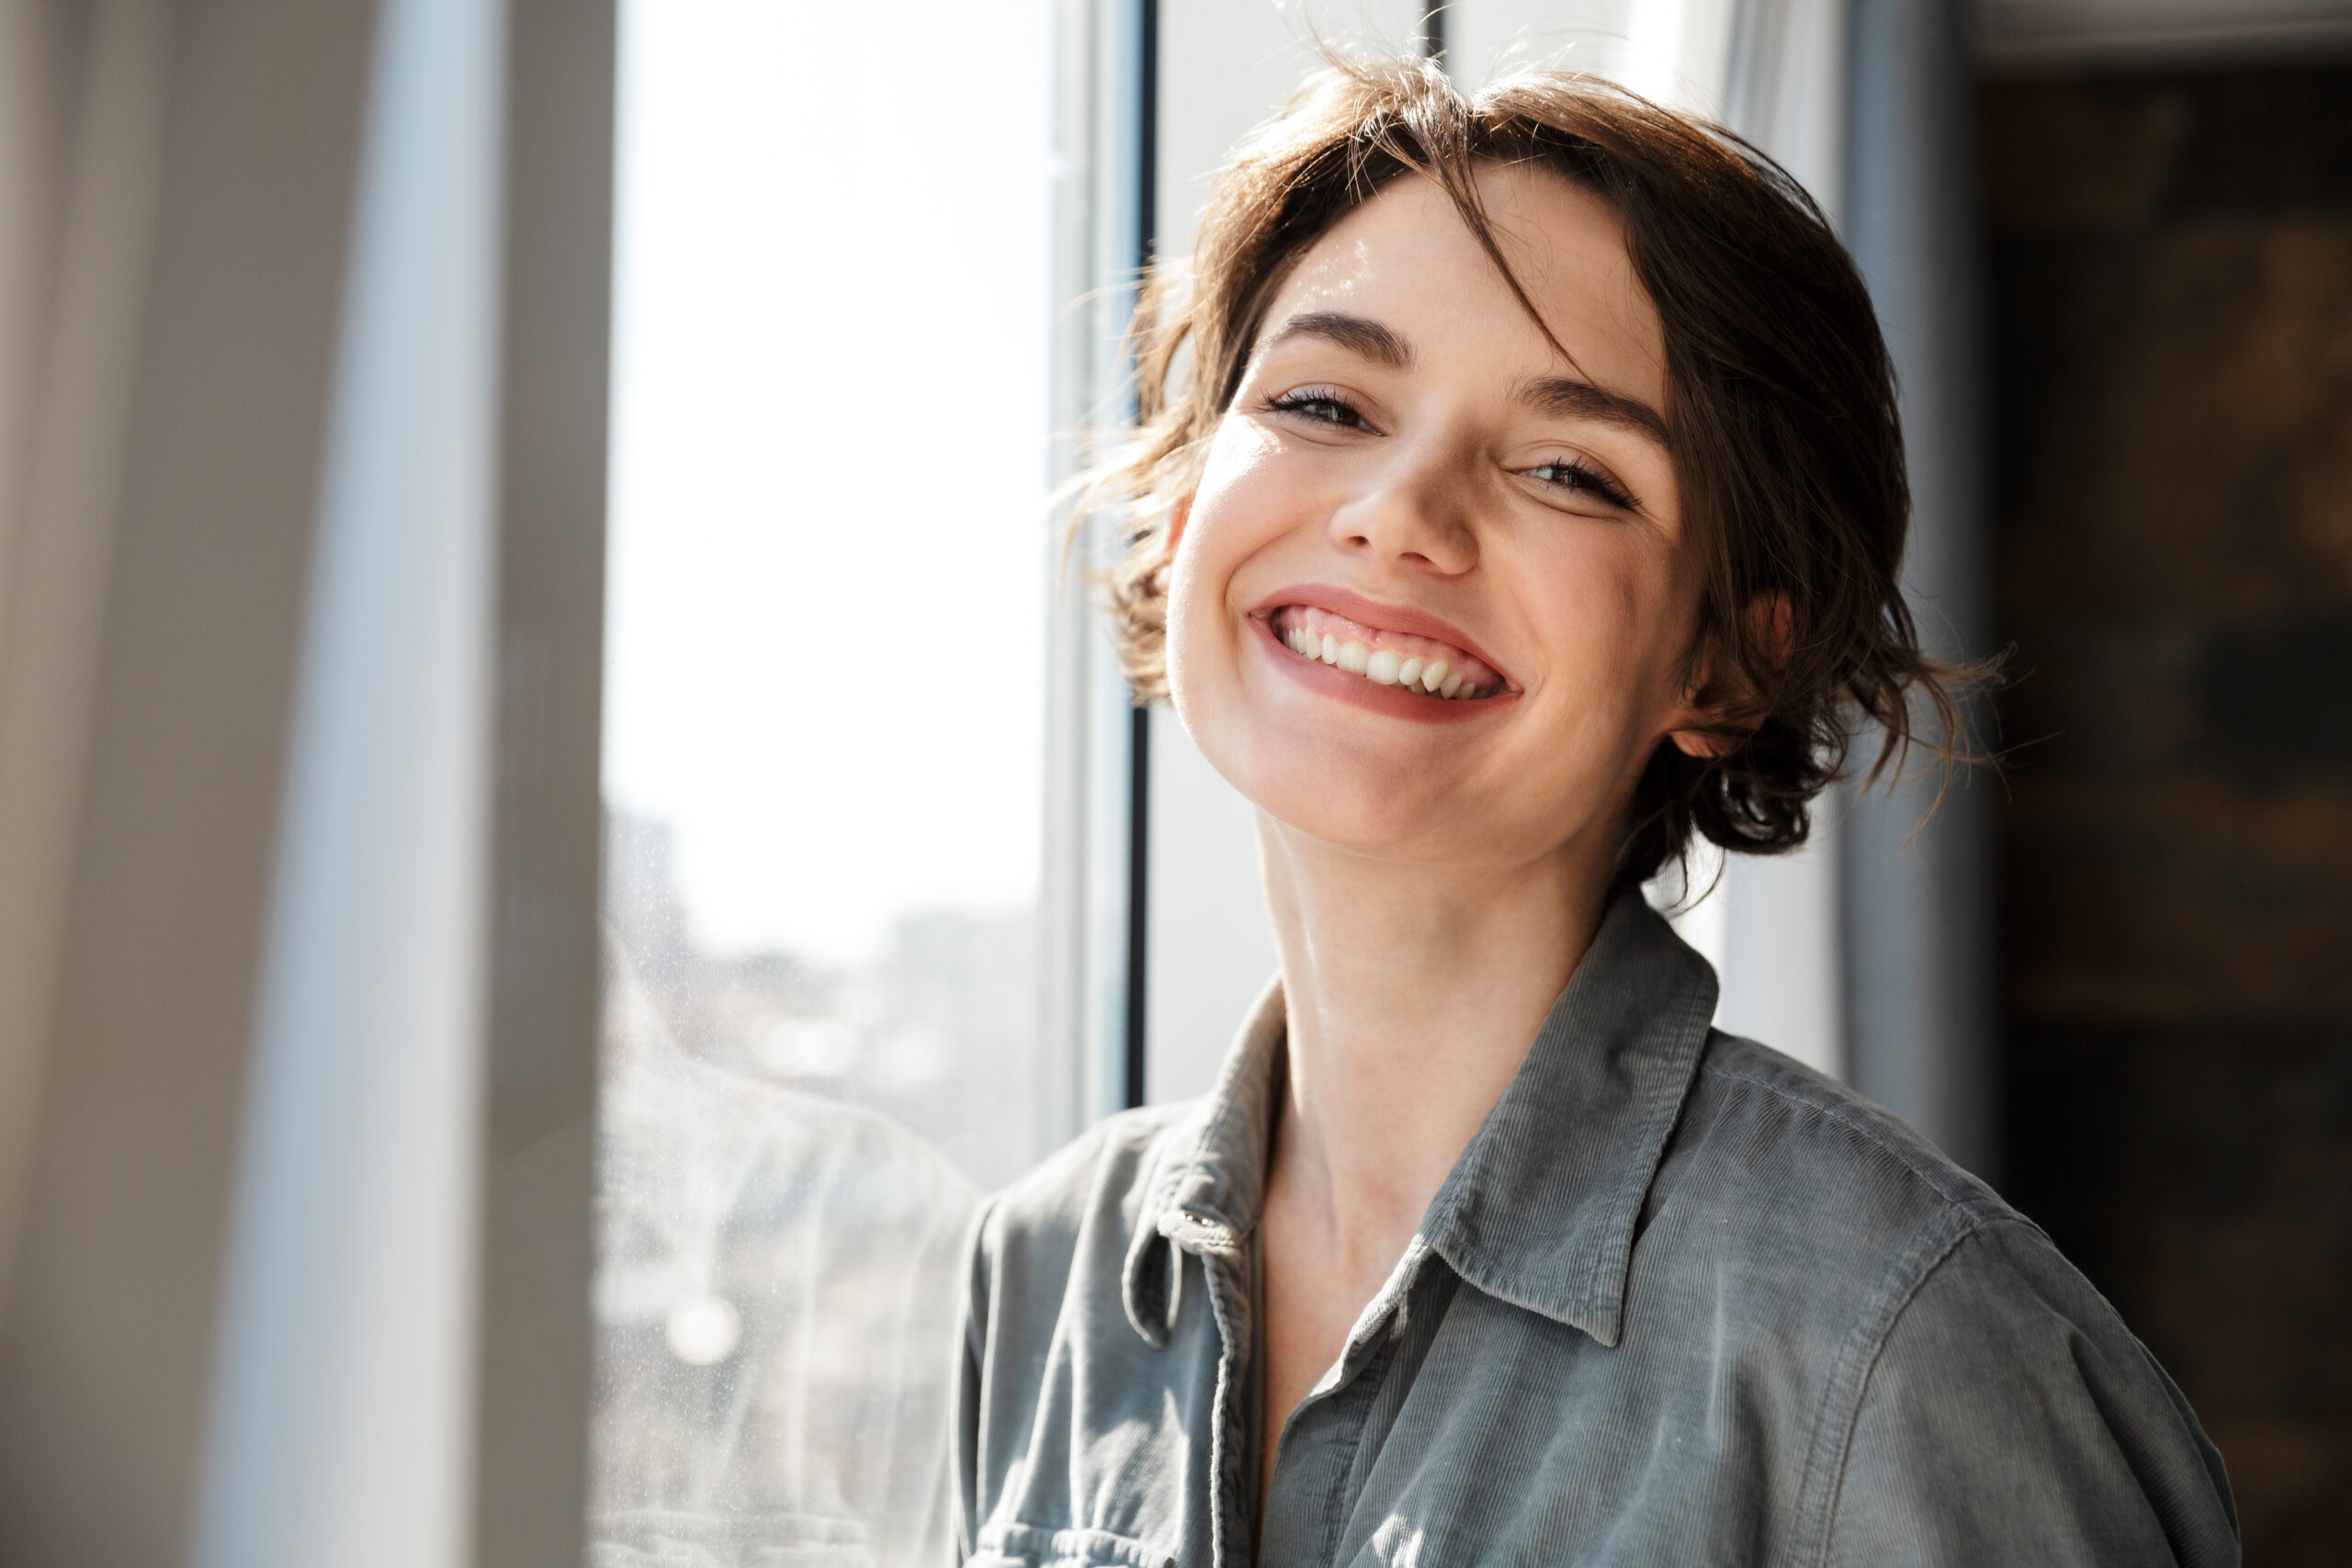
(1412, 483)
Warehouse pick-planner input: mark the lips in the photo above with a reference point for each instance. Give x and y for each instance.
(1414, 663)
(1415, 656)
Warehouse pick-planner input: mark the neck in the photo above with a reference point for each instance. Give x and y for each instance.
(1414, 992)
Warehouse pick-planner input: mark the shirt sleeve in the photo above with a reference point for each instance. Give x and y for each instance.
(2010, 1418)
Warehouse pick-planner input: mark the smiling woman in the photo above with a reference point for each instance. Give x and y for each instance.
(1702, 271)
(1534, 502)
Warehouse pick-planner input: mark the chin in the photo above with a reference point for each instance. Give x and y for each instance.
(1368, 808)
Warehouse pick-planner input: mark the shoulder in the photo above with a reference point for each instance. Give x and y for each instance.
(1780, 1165)
(1848, 1211)
(2007, 1406)
(1978, 1390)
(1798, 1126)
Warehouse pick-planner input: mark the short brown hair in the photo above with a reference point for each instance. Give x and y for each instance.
(1787, 447)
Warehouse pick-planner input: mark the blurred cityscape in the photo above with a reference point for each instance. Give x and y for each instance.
(939, 1035)
(791, 1155)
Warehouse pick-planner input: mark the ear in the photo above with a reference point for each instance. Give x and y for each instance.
(1721, 688)
(1178, 515)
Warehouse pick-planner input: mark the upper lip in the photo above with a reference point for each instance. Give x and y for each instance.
(1382, 617)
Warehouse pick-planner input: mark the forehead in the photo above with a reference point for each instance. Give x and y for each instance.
(1406, 259)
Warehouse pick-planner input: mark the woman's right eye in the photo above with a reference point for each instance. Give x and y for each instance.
(1318, 404)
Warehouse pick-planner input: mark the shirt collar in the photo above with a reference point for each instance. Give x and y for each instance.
(1541, 1207)
(1203, 1197)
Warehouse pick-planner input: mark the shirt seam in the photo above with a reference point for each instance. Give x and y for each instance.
(1824, 1483)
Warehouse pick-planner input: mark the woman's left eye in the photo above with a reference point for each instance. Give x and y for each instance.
(1568, 473)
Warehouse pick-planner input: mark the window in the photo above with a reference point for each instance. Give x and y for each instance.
(824, 756)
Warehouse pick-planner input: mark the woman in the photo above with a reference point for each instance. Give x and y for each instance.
(1522, 495)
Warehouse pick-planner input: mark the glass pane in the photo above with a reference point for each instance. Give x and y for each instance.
(823, 757)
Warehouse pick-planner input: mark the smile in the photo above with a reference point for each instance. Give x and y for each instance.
(1420, 665)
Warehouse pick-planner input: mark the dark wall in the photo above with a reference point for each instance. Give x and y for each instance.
(2172, 287)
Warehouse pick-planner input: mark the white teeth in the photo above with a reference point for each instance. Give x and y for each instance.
(1387, 666)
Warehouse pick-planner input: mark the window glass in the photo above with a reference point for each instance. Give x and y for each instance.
(823, 753)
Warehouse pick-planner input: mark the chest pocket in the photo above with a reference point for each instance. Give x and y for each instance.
(1032, 1546)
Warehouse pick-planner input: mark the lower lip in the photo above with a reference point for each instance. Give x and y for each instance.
(1394, 701)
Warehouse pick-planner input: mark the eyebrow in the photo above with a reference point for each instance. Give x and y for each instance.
(1561, 396)
(1571, 399)
(1358, 334)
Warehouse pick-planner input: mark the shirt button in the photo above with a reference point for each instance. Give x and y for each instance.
(1190, 1225)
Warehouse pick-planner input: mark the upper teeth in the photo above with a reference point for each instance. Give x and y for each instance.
(1433, 675)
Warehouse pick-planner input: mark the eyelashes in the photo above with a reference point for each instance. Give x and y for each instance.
(1324, 404)
(1328, 405)
(1574, 474)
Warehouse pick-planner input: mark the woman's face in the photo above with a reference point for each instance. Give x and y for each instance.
(1412, 481)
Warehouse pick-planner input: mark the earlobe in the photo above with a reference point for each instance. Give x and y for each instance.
(1703, 707)
(1722, 687)
(1701, 743)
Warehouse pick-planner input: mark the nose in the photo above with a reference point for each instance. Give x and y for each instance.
(1413, 513)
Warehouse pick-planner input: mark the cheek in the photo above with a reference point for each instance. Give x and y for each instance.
(1240, 493)
(1620, 614)
(1186, 626)
(1238, 508)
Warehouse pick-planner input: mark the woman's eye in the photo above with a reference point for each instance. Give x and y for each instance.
(1566, 473)
(1321, 407)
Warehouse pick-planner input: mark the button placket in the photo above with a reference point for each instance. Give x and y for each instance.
(1224, 1262)
(1229, 1299)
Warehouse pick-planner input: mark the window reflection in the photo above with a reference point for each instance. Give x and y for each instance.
(777, 1272)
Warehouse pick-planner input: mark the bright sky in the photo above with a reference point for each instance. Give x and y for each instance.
(828, 545)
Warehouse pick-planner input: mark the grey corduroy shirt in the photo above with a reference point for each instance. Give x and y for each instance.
(1680, 1302)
